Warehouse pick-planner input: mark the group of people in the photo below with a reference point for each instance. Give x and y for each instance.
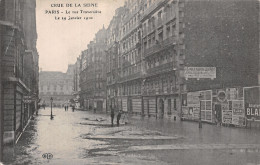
(66, 107)
(113, 115)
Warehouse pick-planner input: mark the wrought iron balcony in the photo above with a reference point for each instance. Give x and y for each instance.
(159, 69)
(151, 8)
(160, 45)
(130, 77)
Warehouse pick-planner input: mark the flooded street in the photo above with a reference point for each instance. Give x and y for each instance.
(82, 137)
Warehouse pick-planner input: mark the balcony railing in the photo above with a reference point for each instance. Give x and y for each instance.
(160, 46)
(160, 69)
(130, 77)
(152, 7)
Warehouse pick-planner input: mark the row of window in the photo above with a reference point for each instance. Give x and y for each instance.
(159, 60)
(161, 84)
(129, 43)
(132, 89)
(55, 88)
(131, 57)
(131, 70)
(52, 93)
(159, 35)
(129, 25)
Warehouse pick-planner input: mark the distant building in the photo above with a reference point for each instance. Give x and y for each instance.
(93, 73)
(57, 85)
(76, 80)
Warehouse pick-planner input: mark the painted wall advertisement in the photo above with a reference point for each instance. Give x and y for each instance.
(200, 72)
(252, 103)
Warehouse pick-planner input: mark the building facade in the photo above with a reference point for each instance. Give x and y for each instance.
(163, 63)
(130, 61)
(93, 73)
(151, 43)
(57, 85)
(76, 80)
(19, 66)
(112, 58)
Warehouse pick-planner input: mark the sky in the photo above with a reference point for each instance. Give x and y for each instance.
(60, 42)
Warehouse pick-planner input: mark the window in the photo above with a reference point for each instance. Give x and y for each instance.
(159, 17)
(168, 30)
(175, 105)
(160, 35)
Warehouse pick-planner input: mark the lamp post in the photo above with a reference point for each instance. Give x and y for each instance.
(175, 78)
(51, 108)
(200, 124)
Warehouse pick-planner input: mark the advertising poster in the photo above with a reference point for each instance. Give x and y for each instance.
(238, 112)
(193, 104)
(226, 113)
(252, 103)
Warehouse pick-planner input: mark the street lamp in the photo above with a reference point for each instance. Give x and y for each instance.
(51, 108)
(200, 124)
(175, 78)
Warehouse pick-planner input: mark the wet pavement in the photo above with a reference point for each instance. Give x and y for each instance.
(82, 137)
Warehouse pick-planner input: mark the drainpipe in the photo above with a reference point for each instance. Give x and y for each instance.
(1, 86)
(1, 102)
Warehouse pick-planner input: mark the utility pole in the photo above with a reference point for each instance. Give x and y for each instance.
(177, 56)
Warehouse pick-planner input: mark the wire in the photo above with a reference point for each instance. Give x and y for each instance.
(9, 43)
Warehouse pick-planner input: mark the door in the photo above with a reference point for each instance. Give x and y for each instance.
(218, 113)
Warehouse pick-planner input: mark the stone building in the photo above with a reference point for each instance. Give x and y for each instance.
(19, 67)
(130, 61)
(76, 80)
(93, 73)
(112, 57)
(162, 57)
(159, 39)
(57, 85)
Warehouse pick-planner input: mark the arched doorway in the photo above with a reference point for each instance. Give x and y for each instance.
(161, 107)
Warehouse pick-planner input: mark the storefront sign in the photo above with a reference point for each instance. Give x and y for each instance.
(200, 72)
(28, 99)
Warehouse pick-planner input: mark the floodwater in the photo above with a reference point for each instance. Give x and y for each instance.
(82, 137)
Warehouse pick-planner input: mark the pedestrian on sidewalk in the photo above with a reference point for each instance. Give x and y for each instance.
(118, 118)
(112, 115)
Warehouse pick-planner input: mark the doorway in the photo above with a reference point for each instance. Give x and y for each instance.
(161, 107)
